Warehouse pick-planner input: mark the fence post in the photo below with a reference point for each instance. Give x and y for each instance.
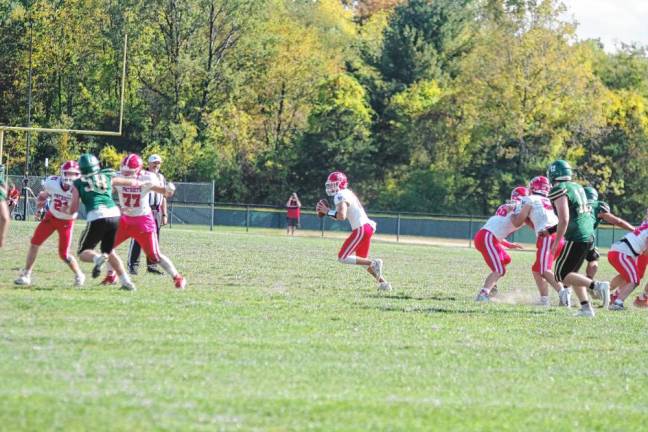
(247, 218)
(470, 232)
(398, 223)
(213, 198)
(612, 233)
(322, 225)
(170, 212)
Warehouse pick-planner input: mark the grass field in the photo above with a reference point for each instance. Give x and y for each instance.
(273, 334)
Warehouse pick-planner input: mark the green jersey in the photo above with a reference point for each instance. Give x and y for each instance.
(598, 207)
(95, 190)
(581, 223)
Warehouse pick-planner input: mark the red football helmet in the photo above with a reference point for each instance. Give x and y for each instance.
(70, 171)
(335, 182)
(540, 185)
(518, 193)
(131, 165)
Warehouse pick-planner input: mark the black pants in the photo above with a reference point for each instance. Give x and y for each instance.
(99, 231)
(135, 250)
(571, 258)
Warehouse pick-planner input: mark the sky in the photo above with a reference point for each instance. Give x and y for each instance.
(612, 21)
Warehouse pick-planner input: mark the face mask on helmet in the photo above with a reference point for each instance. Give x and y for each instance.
(540, 185)
(335, 182)
(518, 193)
(70, 172)
(131, 165)
(332, 188)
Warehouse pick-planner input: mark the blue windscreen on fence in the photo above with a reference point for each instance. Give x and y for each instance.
(458, 228)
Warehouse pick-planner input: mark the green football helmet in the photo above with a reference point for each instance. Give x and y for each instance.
(591, 193)
(89, 164)
(559, 170)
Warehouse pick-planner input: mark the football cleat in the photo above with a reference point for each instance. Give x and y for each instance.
(642, 303)
(617, 306)
(79, 279)
(603, 290)
(565, 297)
(110, 279)
(128, 286)
(132, 270)
(384, 286)
(99, 261)
(377, 266)
(585, 311)
(24, 279)
(154, 270)
(493, 292)
(179, 281)
(543, 301)
(482, 296)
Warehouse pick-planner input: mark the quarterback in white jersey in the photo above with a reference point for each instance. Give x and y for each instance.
(137, 220)
(355, 249)
(490, 239)
(629, 257)
(60, 217)
(539, 210)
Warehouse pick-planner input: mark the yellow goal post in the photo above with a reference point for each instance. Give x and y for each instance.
(75, 131)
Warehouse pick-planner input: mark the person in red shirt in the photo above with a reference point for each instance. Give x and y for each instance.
(294, 211)
(13, 195)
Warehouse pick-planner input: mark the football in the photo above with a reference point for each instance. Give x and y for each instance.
(321, 208)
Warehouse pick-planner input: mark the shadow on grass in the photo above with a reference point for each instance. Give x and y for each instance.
(437, 297)
(442, 310)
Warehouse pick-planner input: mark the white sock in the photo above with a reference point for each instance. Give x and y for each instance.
(351, 259)
(168, 266)
(125, 278)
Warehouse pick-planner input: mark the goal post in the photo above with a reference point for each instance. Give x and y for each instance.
(118, 132)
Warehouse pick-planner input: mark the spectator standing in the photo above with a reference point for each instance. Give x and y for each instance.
(294, 212)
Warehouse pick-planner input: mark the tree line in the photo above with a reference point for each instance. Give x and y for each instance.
(428, 105)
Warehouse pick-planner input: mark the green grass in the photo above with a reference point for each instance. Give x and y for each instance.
(274, 334)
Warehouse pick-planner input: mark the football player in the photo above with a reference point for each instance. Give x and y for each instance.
(60, 217)
(137, 221)
(355, 249)
(625, 256)
(600, 212)
(576, 226)
(490, 241)
(539, 210)
(94, 189)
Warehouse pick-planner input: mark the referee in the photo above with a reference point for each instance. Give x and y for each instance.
(159, 207)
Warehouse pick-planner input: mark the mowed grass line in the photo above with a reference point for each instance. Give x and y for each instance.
(273, 334)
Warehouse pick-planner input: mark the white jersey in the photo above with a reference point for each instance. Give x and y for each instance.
(60, 199)
(501, 225)
(542, 214)
(155, 198)
(355, 212)
(134, 201)
(637, 239)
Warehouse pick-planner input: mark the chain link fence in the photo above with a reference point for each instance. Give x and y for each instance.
(192, 204)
